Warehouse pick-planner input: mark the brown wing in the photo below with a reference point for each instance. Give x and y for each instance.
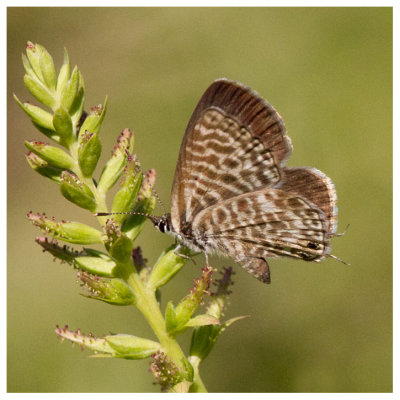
(235, 143)
(316, 187)
(262, 224)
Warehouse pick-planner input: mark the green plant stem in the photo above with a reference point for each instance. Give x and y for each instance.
(198, 385)
(147, 304)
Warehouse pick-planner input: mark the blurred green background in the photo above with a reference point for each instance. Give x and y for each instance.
(318, 327)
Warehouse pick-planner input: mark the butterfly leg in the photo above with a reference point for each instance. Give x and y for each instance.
(176, 251)
(257, 267)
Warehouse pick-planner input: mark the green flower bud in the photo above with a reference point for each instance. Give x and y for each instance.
(64, 74)
(77, 106)
(101, 266)
(168, 265)
(186, 308)
(146, 203)
(33, 51)
(203, 340)
(134, 223)
(43, 168)
(71, 232)
(53, 155)
(77, 192)
(121, 249)
(116, 164)
(27, 66)
(46, 65)
(112, 291)
(125, 198)
(39, 91)
(89, 153)
(63, 126)
(132, 347)
(70, 90)
(94, 120)
(38, 116)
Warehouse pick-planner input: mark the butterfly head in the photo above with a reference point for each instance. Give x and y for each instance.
(163, 223)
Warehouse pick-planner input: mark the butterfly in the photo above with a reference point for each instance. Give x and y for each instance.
(232, 194)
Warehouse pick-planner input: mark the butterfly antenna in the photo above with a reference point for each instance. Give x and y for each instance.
(105, 214)
(338, 259)
(155, 194)
(153, 190)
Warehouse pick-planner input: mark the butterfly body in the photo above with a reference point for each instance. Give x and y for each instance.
(232, 194)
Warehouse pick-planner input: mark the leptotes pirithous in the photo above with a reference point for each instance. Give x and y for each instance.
(232, 194)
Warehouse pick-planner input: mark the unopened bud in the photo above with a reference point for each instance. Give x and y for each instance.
(168, 264)
(89, 152)
(113, 291)
(132, 347)
(43, 167)
(116, 164)
(177, 318)
(77, 192)
(125, 198)
(94, 120)
(53, 155)
(71, 232)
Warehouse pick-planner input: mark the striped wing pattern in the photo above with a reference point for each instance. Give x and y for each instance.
(232, 193)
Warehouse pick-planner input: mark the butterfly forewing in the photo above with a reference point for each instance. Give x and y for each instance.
(229, 120)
